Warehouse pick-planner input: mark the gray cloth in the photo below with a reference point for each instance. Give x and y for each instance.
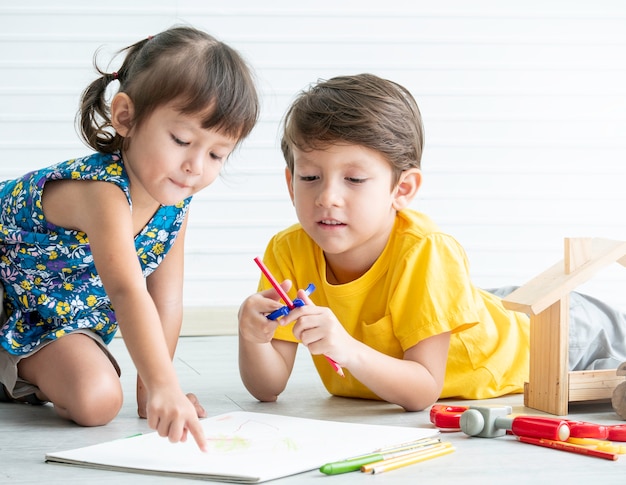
(597, 332)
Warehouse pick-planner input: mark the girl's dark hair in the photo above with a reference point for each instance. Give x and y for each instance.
(203, 75)
(362, 109)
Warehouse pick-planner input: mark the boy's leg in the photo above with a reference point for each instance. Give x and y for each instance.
(77, 376)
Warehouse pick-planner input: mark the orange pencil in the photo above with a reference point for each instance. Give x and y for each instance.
(572, 448)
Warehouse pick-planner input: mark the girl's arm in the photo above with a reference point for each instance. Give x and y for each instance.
(165, 286)
(265, 364)
(100, 209)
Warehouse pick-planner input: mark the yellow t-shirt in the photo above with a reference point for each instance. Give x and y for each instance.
(419, 287)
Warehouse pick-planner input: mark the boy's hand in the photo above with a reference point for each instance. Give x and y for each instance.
(320, 331)
(254, 325)
(174, 415)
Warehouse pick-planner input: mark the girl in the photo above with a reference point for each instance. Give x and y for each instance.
(93, 243)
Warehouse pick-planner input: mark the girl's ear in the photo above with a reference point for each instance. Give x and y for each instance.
(407, 188)
(122, 113)
(289, 180)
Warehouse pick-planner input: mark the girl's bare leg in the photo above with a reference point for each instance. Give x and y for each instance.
(77, 377)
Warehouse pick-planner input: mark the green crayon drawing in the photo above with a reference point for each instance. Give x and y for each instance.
(290, 444)
(272, 438)
(229, 443)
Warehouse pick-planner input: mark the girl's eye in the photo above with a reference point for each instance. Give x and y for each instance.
(178, 141)
(216, 157)
(355, 180)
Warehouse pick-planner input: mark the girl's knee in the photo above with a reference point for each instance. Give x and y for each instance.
(96, 405)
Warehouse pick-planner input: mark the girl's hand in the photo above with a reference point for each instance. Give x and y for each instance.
(174, 415)
(320, 331)
(142, 400)
(254, 326)
(200, 411)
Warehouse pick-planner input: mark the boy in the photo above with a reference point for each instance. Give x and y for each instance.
(394, 304)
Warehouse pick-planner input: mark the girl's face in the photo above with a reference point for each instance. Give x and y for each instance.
(170, 157)
(344, 201)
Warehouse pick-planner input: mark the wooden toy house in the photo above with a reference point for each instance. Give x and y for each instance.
(551, 386)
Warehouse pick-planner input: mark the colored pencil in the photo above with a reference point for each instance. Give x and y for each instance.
(274, 283)
(283, 295)
(572, 448)
(356, 462)
(410, 459)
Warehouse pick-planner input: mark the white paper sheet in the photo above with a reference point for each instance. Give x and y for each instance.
(244, 447)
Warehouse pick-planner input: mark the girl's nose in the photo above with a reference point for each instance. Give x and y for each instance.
(193, 163)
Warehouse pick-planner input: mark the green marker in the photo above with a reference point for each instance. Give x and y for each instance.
(350, 465)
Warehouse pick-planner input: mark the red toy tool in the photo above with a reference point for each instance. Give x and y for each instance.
(616, 432)
(448, 419)
(490, 422)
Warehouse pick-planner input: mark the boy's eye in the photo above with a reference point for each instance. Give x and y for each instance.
(308, 178)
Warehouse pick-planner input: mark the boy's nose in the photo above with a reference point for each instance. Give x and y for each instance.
(328, 196)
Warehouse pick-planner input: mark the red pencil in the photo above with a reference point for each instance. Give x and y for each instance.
(274, 283)
(563, 446)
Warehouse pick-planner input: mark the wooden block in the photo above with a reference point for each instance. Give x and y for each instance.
(551, 285)
(547, 388)
(577, 252)
(593, 385)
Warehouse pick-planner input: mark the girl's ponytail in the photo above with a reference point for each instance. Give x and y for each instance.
(94, 116)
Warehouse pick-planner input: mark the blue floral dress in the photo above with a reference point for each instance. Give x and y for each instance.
(50, 281)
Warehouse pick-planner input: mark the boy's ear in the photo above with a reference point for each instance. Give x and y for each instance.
(122, 114)
(407, 188)
(289, 180)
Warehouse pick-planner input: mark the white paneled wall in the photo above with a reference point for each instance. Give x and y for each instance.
(524, 105)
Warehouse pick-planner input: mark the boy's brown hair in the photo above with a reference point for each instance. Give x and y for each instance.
(361, 109)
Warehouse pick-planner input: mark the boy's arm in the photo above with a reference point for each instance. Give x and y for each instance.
(413, 382)
(265, 363)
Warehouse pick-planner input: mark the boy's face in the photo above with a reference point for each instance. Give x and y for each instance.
(344, 201)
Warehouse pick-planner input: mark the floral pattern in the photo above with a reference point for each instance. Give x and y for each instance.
(50, 281)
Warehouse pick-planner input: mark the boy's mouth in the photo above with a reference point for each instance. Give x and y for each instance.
(331, 222)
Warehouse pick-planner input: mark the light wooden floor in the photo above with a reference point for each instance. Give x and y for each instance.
(208, 367)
